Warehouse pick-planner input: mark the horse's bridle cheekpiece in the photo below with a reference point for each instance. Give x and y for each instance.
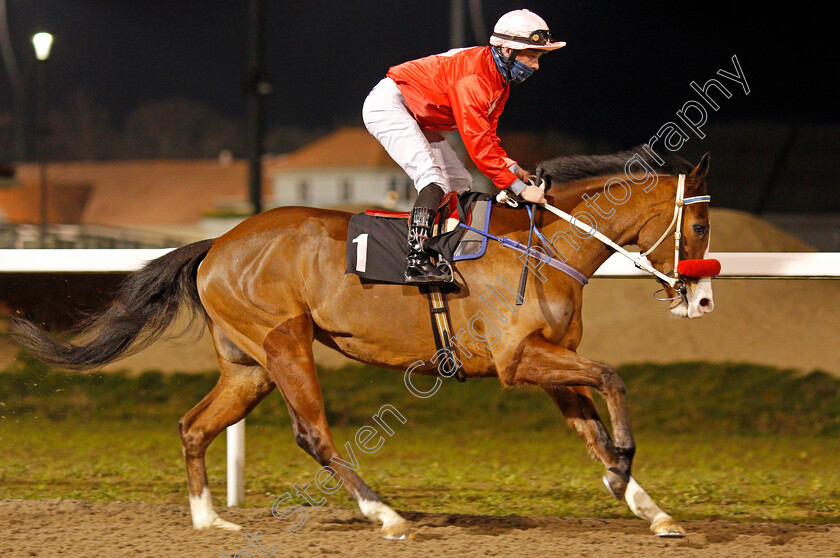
(687, 268)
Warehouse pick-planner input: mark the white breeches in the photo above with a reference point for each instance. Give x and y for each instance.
(425, 157)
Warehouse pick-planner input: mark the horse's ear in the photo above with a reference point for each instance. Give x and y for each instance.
(699, 173)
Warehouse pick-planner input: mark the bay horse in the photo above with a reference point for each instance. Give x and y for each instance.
(276, 282)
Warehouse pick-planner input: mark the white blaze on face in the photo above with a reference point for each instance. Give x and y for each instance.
(700, 298)
(699, 295)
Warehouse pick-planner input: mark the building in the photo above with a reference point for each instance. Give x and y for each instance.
(120, 203)
(347, 168)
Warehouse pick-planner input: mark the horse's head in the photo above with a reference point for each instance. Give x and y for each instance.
(692, 297)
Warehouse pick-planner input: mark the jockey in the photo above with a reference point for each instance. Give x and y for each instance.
(463, 89)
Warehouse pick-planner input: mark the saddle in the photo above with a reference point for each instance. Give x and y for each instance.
(376, 240)
(377, 251)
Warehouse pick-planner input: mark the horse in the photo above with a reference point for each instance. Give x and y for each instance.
(275, 283)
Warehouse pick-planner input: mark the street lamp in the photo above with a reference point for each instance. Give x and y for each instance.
(42, 43)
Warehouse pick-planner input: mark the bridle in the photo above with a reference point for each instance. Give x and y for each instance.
(679, 209)
(640, 259)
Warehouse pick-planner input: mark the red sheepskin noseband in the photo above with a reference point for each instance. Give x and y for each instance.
(699, 268)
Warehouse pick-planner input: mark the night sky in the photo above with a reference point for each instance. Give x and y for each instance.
(625, 72)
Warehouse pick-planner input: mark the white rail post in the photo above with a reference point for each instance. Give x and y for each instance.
(236, 464)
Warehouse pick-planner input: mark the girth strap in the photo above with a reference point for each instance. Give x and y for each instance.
(441, 324)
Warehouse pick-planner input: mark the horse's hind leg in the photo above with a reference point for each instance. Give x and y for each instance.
(241, 386)
(579, 409)
(289, 359)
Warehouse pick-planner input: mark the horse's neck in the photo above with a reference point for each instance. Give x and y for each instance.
(620, 222)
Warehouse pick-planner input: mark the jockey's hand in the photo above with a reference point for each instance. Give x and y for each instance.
(533, 194)
(523, 175)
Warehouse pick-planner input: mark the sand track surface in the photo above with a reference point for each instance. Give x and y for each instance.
(70, 528)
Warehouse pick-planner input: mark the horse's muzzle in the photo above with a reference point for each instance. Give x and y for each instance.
(697, 301)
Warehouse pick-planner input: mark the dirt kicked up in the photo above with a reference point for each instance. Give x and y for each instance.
(71, 528)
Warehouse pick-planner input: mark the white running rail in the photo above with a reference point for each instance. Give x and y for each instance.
(747, 265)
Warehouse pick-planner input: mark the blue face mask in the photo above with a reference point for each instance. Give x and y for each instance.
(517, 72)
(520, 72)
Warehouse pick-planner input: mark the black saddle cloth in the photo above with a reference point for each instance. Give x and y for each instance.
(377, 247)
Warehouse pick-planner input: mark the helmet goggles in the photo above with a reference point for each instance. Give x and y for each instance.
(540, 37)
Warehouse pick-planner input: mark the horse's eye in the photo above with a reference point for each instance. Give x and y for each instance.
(700, 230)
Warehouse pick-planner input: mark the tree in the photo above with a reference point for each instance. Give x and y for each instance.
(179, 128)
(81, 130)
(283, 139)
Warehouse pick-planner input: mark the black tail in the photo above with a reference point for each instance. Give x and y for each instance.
(147, 302)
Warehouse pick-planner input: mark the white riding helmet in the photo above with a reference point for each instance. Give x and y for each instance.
(521, 29)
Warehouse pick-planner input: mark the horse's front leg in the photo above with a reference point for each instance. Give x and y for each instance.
(579, 410)
(547, 365)
(557, 369)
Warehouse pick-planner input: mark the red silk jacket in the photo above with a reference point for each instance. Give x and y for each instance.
(461, 89)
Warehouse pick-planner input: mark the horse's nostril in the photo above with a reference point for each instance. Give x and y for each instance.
(704, 302)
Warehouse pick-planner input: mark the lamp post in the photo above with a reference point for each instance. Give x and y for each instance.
(259, 87)
(42, 43)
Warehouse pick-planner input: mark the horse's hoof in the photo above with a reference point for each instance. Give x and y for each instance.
(615, 484)
(398, 531)
(668, 528)
(220, 523)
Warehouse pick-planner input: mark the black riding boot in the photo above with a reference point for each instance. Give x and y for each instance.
(419, 269)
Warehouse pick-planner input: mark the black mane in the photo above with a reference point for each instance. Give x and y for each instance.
(578, 167)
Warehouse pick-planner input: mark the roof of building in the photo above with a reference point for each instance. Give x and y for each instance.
(64, 205)
(355, 147)
(126, 192)
(349, 147)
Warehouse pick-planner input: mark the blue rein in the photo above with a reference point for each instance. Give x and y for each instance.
(536, 254)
